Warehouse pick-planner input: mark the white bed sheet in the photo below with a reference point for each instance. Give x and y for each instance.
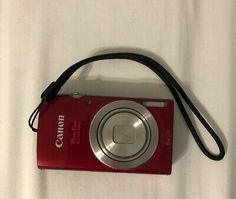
(194, 39)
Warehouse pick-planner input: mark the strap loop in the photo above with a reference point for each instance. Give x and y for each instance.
(33, 117)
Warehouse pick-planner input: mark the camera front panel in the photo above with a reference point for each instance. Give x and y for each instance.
(110, 134)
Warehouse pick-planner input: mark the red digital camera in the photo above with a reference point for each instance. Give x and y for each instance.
(110, 134)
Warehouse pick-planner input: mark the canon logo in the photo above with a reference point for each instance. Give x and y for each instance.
(60, 131)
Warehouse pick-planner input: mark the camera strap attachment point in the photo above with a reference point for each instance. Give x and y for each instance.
(33, 117)
(176, 90)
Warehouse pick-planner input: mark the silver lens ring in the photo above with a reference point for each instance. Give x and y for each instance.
(123, 134)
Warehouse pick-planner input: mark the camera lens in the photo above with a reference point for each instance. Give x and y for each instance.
(123, 134)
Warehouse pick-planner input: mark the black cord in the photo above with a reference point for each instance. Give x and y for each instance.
(171, 83)
(33, 117)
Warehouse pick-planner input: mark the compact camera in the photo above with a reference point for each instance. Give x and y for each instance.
(111, 134)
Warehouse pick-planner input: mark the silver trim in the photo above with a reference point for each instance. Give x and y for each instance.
(155, 104)
(77, 95)
(137, 156)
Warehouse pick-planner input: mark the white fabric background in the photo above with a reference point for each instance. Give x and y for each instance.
(196, 41)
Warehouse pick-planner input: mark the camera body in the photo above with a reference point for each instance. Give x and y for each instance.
(111, 134)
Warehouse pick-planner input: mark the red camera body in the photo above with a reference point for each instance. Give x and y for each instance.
(110, 134)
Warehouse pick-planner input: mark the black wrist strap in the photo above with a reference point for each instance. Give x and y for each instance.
(176, 90)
